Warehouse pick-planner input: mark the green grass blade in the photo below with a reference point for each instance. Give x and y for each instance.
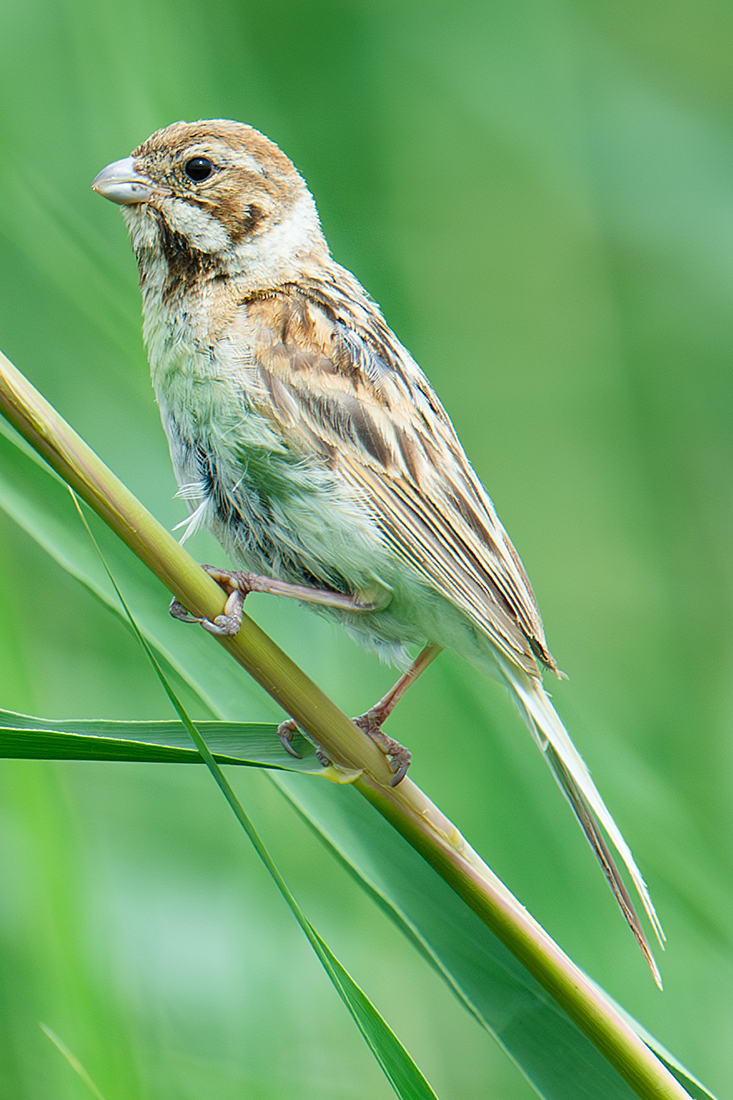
(250, 744)
(403, 1074)
(552, 1052)
(399, 1068)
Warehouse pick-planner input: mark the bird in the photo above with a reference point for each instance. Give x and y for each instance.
(307, 439)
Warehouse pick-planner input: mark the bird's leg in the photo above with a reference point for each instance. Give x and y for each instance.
(238, 586)
(371, 721)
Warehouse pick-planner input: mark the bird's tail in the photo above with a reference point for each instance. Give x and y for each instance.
(581, 792)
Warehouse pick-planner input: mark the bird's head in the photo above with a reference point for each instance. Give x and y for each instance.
(214, 198)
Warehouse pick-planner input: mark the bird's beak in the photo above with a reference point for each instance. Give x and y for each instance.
(120, 182)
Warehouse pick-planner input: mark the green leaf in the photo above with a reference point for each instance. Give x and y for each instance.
(251, 744)
(555, 1056)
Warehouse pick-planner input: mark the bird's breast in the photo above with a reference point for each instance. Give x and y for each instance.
(268, 493)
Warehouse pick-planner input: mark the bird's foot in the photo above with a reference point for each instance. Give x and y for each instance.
(286, 731)
(370, 723)
(398, 756)
(237, 587)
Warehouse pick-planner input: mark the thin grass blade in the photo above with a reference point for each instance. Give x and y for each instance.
(72, 1060)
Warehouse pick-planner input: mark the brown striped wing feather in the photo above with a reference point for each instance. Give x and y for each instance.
(334, 376)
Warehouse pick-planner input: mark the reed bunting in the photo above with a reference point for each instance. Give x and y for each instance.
(308, 440)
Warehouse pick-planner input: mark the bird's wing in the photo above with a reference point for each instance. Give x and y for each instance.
(335, 377)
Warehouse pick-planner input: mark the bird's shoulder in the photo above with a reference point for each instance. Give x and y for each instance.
(322, 342)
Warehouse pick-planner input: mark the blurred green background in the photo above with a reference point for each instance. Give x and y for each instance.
(541, 197)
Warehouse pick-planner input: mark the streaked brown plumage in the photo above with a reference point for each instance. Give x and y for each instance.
(306, 437)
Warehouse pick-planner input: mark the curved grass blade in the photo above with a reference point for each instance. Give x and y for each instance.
(399, 1068)
(249, 744)
(552, 1052)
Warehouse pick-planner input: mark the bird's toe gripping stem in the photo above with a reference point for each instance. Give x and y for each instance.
(371, 723)
(237, 588)
(397, 755)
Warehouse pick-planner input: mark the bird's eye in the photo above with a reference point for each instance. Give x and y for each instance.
(198, 169)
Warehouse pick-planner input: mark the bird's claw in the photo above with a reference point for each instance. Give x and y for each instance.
(286, 731)
(178, 611)
(223, 625)
(371, 724)
(228, 624)
(397, 755)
